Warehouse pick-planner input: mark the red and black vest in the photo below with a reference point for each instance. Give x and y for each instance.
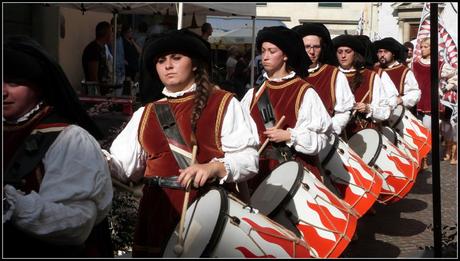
(365, 88)
(323, 81)
(160, 208)
(286, 98)
(422, 73)
(397, 75)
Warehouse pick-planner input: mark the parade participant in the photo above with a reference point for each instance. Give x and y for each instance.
(390, 54)
(194, 112)
(410, 54)
(57, 190)
(372, 102)
(304, 132)
(422, 72)
(330, 84)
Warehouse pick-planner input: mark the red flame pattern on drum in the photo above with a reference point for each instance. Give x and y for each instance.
(371, 189)
(342, 229)
(402, 185)
(248, 254)
(423, 144)
(275, 237)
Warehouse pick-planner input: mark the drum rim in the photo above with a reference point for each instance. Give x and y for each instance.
(220, 224)
(331, 152)
(379, 149)
(400, 117)
(395, 139)
(291, 192)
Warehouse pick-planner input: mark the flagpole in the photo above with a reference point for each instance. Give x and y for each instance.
(437, 222)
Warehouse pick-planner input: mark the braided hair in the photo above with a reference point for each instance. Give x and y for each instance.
(358, 63)
(204, 88)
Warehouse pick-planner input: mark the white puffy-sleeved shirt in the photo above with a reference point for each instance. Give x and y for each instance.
(241, 160)
(310, 134)
(344, 101)
(411, 93)
(75, 194)
(380, 108)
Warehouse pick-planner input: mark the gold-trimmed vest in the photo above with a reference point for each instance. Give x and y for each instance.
(323, 81)
(398, 76)
(360, 122)
(160, 208)
(286, 98)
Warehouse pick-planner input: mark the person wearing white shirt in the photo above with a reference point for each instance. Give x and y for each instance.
(372, 101)
(57, 190)
(390, 53)
(307, 122)
(204, 115)
(323, 74)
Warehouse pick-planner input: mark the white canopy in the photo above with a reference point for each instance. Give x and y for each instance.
(237, 36)
(217, 9)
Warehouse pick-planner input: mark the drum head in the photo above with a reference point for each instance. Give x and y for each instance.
(276, 187)
(390, 134)
(396, 115)
(202, 223)
(326, 153)
(366, 143)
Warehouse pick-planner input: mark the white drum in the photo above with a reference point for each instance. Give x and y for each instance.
(348, 176)
(397, 170)
(218, 225)
(394, 137)
(295, 198)
(411, 129)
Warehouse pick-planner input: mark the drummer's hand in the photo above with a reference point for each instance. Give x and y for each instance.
(200, 173)
(277, 135)
(399, 100)
(361, 107)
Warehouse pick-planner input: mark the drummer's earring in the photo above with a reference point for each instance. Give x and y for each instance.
(194, 69)
(285, 59)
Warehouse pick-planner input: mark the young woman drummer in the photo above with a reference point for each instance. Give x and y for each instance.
(307, 123)
(203, 115)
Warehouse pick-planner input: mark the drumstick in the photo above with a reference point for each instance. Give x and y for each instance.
(118, 183)
(277, 126)
(179, 247)
(365, 96)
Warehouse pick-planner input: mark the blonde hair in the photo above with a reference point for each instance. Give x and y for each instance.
(426, 40)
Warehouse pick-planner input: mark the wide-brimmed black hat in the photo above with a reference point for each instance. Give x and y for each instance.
(320, 30)
(177, 41)
(392, 45)
(181, 41)
(290, 43)
(371, 54)
(27, 62)
(349, 41)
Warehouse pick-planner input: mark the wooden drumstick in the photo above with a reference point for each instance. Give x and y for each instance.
(179, 247)
(118, 183)
(277, 126)
(365, 96)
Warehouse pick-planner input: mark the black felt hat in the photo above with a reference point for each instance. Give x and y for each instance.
(320, 30)
(27, 62)
(177, 41)
(290, 43)
(371, 54)
(392, 45)
(349, 41)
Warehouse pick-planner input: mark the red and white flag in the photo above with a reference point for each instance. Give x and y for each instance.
(446, 46)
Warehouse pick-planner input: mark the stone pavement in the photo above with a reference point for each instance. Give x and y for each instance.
(401, 229)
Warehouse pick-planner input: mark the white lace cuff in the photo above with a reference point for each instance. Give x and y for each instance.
(293, 137)
(227, 170)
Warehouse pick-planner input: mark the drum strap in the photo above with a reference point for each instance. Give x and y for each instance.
(179, 148)
(265, 108)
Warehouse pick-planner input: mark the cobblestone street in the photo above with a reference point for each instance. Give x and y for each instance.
(401, 229)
